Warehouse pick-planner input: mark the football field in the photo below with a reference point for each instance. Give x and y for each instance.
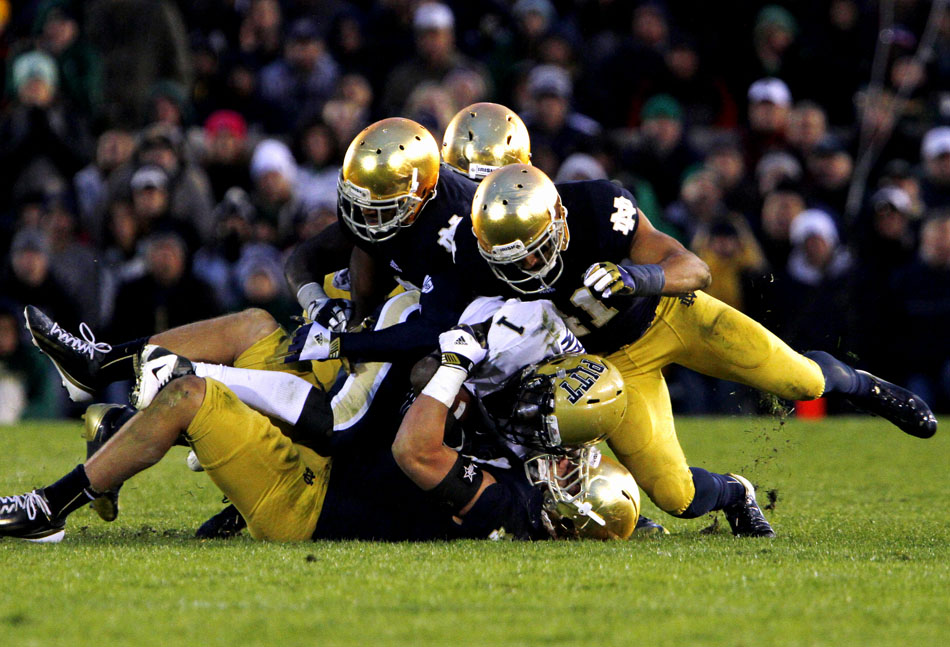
(862, 558)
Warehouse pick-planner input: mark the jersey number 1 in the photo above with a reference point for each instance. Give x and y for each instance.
(599, 313)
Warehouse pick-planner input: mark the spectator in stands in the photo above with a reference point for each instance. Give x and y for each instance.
(141, 42)
(27, 390)
(189, 191)
(556, 130)
(114, 149)
(73, 263)
(920, 308)
(321, 157)
(935, 153)
(80, 68)
(769, 104)
(814, 292)
(168, 103)
(40, 135)
(886, 243)
(807, 126)
(700, 203)
(275, 176)
(168, 295)
(730, 249)
(779, 209)
(28, 279)
(662, 155)
(436, 56)
(214, 263)
(297, 85)
(739, 192)
(829, 176)
(227, 159)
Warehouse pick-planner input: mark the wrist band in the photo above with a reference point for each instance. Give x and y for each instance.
(648, 279)
(310, 292)
(445, 384)
(459, 486)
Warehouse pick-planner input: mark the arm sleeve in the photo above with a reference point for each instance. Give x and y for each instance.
(318, 256)
(441, 303)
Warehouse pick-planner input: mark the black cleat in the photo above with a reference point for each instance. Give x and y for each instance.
(903, 408)
(77, 359)
(101, 423)
(27, 516)
(746, 518)
(154, 368)
(647, 527)
(224, 525)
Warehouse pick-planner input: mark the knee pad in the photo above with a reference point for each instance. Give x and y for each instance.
(672, 493)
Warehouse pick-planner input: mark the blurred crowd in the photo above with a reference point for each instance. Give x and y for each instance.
(158, 159)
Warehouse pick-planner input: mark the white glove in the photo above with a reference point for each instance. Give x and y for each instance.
(605, 279)
(312, 342)
(462, 348)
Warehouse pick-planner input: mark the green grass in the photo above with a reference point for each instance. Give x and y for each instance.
(861, 559)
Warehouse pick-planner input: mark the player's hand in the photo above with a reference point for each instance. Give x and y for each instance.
(462, 347)
(312, 342)
(607, 279)
(333, 314)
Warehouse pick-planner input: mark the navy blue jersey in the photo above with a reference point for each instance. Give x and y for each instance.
(602, 219)
(369, 497)
(427, 245)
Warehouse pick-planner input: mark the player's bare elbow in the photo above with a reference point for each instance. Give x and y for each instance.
(705, 278)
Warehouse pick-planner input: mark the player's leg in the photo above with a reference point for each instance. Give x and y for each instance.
(647, 445)
(718, 340)
(140, 443)
(87, 365)
(276, 485)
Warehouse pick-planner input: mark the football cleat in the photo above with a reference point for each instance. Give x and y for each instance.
(746, 518)
(647, 527)
(224, 525)
(154, 368)
(27, 516)
(101, 421)
(77, 359)
(903, 408)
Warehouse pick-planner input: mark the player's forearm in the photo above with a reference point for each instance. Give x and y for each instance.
(418, 448)
(316, 257)
(684, 272)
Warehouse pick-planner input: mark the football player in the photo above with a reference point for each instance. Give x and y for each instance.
(287, 492)
(381, 167)
(635, 296)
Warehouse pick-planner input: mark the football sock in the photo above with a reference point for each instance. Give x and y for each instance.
(839, 377)
(117, 364)
(275, 394)
(713, 492)
(69, 493)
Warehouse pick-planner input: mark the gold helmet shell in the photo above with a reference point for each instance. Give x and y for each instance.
(483, 137)
(521, 227)
(587, 495)
(389, 172)
(564, 402)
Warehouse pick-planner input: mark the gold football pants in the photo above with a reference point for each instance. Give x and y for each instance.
(276, 485)
(710, 337)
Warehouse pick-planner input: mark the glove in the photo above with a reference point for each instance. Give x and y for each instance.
(312, 342)
(462, 348)
(606, 279)
(333, 314)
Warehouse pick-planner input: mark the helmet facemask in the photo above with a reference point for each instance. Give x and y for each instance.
(566, 480)
(381, 219)
(508, 261)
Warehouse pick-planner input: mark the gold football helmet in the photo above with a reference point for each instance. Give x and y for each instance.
(564, 402)
(587, 495)
(389, 172)
(483, 137)
(521, 227)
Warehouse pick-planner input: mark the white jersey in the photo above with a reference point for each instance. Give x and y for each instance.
(521, 333)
